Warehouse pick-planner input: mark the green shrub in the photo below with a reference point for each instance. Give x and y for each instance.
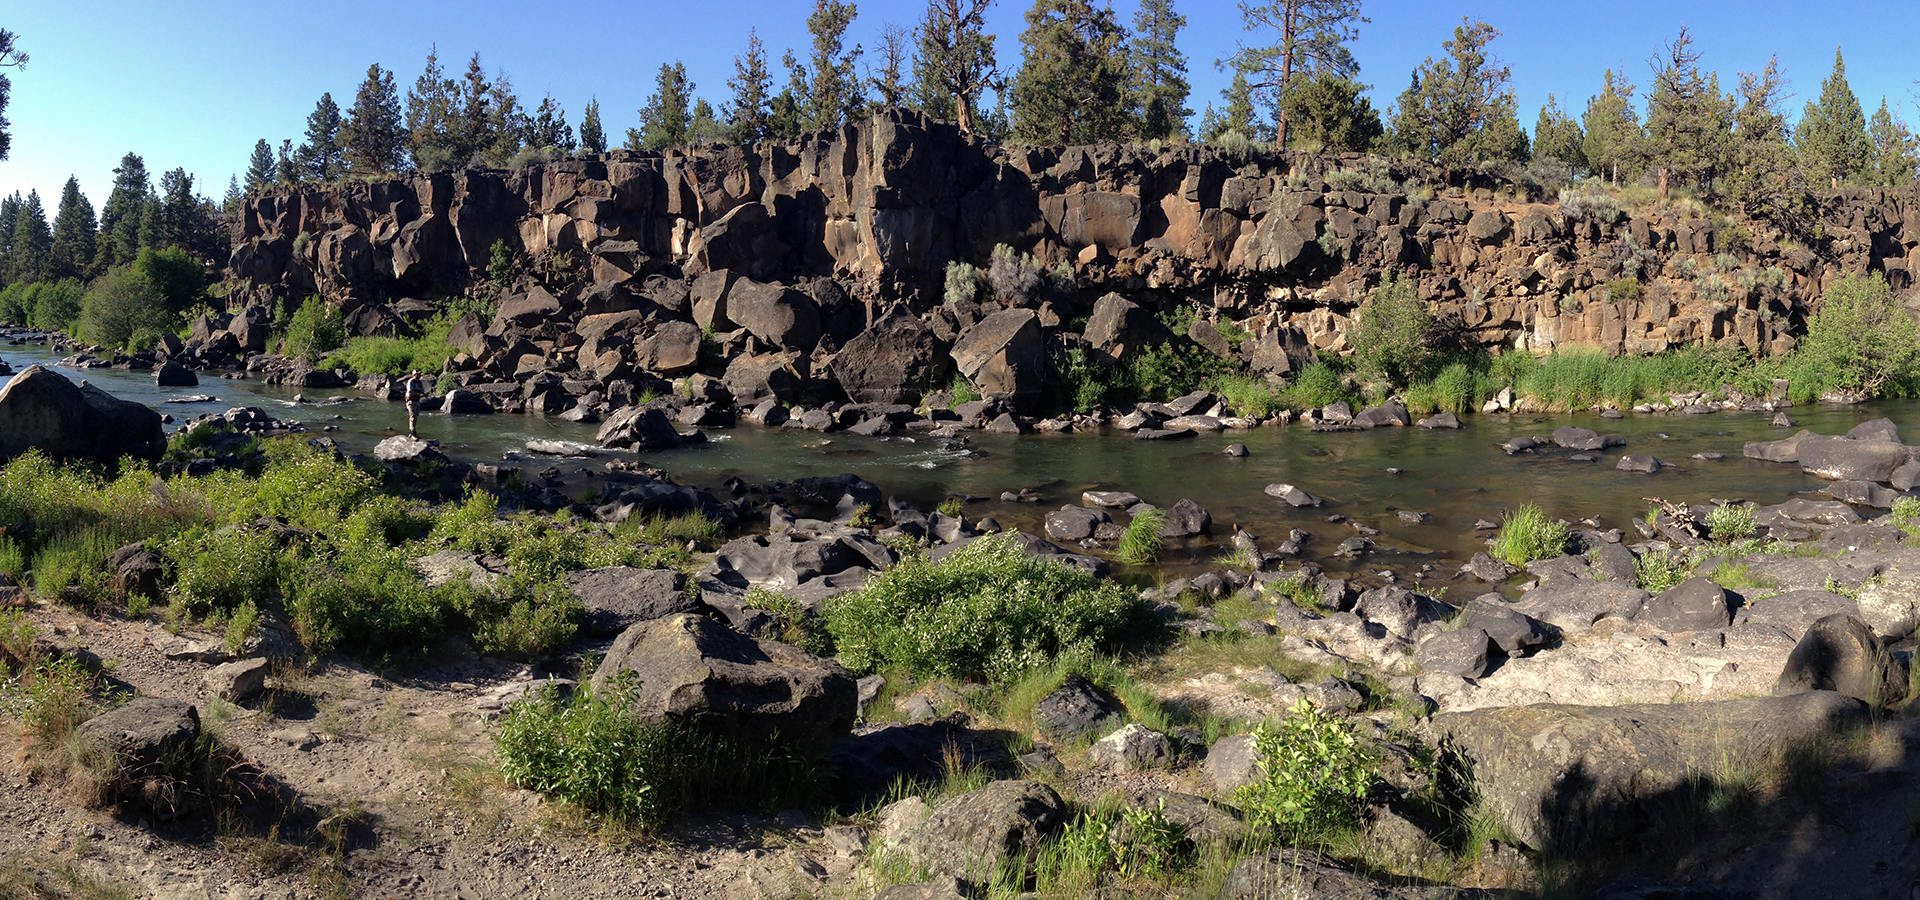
(1163, 372)
(1389, 332)
(1659, 570)
(1862, 338)
(315, 330)
(963, 391)
(1247, 395)
(1527, 534)
(988, 610)
(1140, 546)
(1624, 289)
(1317, 385)
(1905, 511)
(1016, 278)
(217, 570)
(1083, 379)
(500, 265)
(1731, 522)
(1313, 774)
(123, 308)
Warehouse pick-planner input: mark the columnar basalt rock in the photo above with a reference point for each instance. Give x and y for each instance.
(799, 247)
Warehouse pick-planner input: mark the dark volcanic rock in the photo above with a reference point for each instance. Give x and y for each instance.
(615, 598)
(40, 408)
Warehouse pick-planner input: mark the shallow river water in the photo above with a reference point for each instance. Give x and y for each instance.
(1457, 477)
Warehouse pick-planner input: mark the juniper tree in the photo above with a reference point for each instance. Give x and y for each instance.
(286, 165)
(1614, 140)
(1832, 137)
(371, 138)
(260, 172)
(955, 64)
(667, 115)
(1689, 122)
(832, 95)
(1762, 180)
(747, 114)
(889, 82)
(11, 57)
(72, 249)
(9, 214)
(593, 139)
(1074, 83)
(1308, 38)
(433, 108)
(231, 202)
(1238, 117)
(1459, 109)
(1329, 112)
(1896, 153)
(1557, 136)
(705, 127)
(548, 127)
(320, 157)
(1160, 70)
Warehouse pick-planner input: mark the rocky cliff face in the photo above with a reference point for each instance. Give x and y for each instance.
(797, 248)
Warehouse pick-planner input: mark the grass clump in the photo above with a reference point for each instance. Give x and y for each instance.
(1318, 385)
(1731, 522)
(1906, 515)
(1657, 571)
(1528, 534)
(1314, 771)
(595, 751)
(1140, 546)
(989, 610)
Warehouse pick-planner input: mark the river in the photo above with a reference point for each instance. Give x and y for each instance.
(1457, 477)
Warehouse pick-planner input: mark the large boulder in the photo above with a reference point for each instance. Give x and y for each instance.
(614, 598)
(1696, 604)
(638, 428)
(753, 377)
(672, 349)
(972, 835)
(1785, 450)
(696, 671)
(173, 374)
(1077, 710)
(1119, 325)
(41, 409)
(894, 360)
(1559, 776)
(1005, 352)
(781, 316)
(1840, 653)
(1842, 459)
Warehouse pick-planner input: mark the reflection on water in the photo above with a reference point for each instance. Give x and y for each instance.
(1457, 477)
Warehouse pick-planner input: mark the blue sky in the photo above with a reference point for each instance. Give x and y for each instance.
(195, 84)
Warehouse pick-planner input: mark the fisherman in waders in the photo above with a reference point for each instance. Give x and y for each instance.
(414, 391)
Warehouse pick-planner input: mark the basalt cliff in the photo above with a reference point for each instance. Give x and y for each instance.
(820, 264)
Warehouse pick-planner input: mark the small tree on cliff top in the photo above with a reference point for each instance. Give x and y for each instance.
(955, 65)
(593, 139)
(1309, 37)
(668, 114)
(747, 115)
(372, 136)
(1075, 84)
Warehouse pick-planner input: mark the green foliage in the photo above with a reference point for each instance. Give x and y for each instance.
(1314, 771)
(1528, 534)
(49, 698)
(314, 330)
(1173, 369)
(1659, 570)
(1389, 332)
(1906, 511)
(501, 266)
(1074, 85)
(1317, 385)
(963, 390)
(1459, 109)
(123, 308)
(1331, 114)
(1140, 546)
(987, 610)
(1731, 522)
(1247, 395)
(1623, 289)
(952, 508)
(1084, 379)
(1862, 338)
(218, 570)
(794, 624)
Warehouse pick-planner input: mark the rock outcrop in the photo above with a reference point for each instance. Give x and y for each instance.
(40, 409)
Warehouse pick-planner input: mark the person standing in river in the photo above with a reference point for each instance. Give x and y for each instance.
(413, 390)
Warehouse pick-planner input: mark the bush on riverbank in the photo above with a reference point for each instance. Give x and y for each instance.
(989, 610)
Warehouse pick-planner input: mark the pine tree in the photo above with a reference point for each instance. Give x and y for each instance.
(747, 114)
(474, 116)
(9, 215)
(1558, 137)
(889, 83)
(73, 235)
(1458, 108)
(666, 117)
(372, 138)
(1896, 153)
(151, 233)
(1238, 115)
(833, 91)
(705, 128)
(179, 211)
(1832, 137)
(31, 239)
(11, 57)
(320, 157)
(593, 139)
(1074, 85)
(549, 128)
(433, 109)
(1689, 122)
(234, 199)
(120, 219)
(1762, 179)
(1331, 114)
(1614, 139)
(260, 170)
(1309, 38)
(1160, 70)
(507, 122)
(955, 65)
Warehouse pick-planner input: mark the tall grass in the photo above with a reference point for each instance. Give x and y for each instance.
(1140, 546)
(1527, 534)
